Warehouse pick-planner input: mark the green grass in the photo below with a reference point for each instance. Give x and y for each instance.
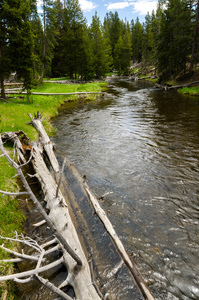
(13, 117)
(193, 91)
(56, 79)
(13, 114)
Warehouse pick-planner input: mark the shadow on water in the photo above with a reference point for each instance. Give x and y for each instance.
(142, 145)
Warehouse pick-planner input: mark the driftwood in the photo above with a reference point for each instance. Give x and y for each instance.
(110, 229)
(136, 78)
(80, 275)
(58, 219)
(176, 87)
(14, 83)
(52, 94)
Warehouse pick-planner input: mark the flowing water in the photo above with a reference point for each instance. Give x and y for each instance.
(142, 146)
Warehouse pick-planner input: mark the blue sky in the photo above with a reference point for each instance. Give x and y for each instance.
(131, 9)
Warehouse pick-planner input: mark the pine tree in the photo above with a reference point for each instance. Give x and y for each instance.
(194, 6)
(16, 41)
(123, 54)
(50, 33)
(101, 51)
(113, 30)
(137, 40)
(174, 38)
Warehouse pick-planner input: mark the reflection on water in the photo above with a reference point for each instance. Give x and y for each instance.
(142, 144)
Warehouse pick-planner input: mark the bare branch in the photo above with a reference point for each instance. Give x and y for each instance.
(49, 243)
(29, 279)
(57, 247)
(24, 240)
(14, 260)
(39, 223)
(32, 272)
(27, 162)
(53, 288)
(39, 261)
(60, 178)
(13, 194)
(23, 256)
(40, 208)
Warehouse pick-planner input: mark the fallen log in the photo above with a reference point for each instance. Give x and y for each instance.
(176, 87)
(52, 94)
(79, 272)
(109, 227)
(58, 219)
(12, 83)
(111, 231)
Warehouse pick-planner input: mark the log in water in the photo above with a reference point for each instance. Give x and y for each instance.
(141, 145)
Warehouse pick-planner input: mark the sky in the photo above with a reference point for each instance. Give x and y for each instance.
(129, 9)
(126, 9)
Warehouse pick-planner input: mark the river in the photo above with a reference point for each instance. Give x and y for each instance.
(141, 145)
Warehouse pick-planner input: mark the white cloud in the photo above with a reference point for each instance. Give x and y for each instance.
(118, 5)
(142, 7)
(39, 2)
(87, 5)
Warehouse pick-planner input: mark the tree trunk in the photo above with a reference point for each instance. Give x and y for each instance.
(3, 95)
(44, 42)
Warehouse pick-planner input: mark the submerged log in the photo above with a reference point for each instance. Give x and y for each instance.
(111, 231)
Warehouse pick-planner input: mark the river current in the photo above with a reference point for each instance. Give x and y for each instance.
(140, 145)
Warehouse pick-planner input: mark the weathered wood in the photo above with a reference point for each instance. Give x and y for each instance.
(59, 221)
(78, 278)
(13, 137)
(120, 247)
(52, 287)
(109, 227)
(38, 205)
(12, 83)
(176, 87)
(44, 140)
(32, 272)
(52, 94)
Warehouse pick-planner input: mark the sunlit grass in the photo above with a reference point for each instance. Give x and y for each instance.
(194, 91)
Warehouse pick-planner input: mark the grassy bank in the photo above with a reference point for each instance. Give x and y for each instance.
(193, 91)
(13, 117)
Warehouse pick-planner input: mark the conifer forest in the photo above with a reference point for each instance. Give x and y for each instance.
(59, 42)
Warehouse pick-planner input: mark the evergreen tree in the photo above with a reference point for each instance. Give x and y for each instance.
(194, 9)
(113, 30)
(174, 38)
(148, 40)
(51, 29)
(37, 30)
(101, 51)
(137, 40)
(72, 39)
(16, 41)
(123, 53)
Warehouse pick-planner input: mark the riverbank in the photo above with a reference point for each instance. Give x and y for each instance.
(13, 117)
(150, 71)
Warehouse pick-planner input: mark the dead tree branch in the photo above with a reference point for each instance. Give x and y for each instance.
(60, 223)
(39, 206)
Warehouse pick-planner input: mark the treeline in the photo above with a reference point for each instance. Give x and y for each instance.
(61, 43)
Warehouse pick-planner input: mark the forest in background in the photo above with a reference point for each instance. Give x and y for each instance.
(61, 43)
